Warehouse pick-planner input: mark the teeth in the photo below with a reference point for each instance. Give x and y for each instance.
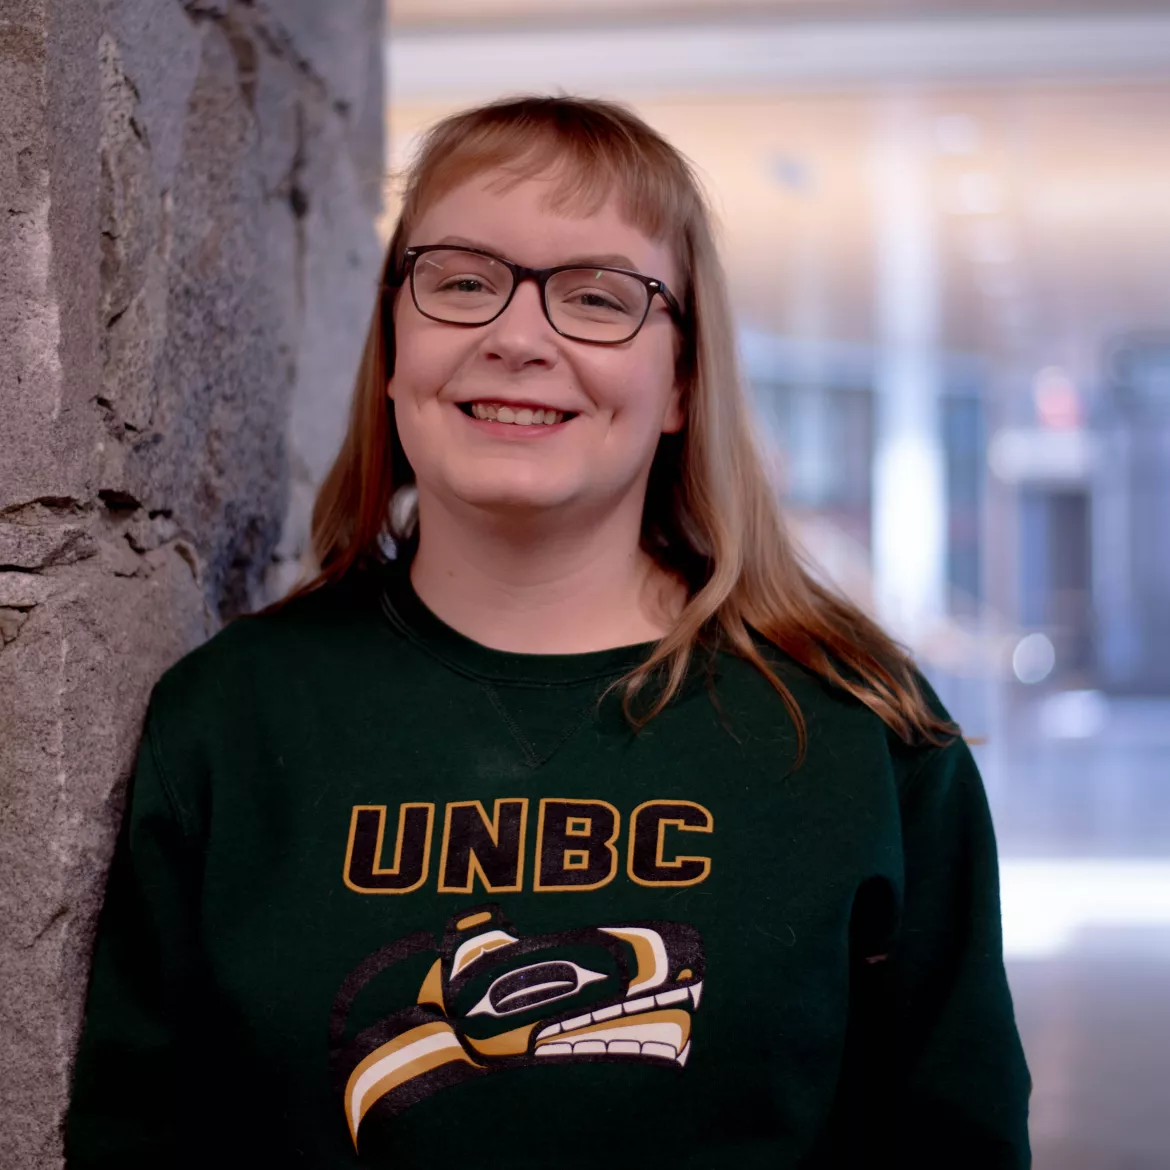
(629, 1007)
(622, 1047)
(518, 416)
(638, 1005)
(668, 1032)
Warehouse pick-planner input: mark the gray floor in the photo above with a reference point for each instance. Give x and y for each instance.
(1096, 1028)
(1080, 790)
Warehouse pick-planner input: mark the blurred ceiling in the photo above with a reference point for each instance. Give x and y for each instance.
(417, 14)
(1049, 191)
(743, 56)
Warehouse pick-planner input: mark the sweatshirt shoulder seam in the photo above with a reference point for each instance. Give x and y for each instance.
(164, 780)
(915, 776)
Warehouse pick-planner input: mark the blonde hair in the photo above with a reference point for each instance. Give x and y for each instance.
(710, 517)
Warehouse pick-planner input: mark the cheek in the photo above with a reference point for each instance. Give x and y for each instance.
(639, 386)
(420, 370)
(424, 356)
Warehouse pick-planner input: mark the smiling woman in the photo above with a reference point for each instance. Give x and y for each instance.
(351, 897)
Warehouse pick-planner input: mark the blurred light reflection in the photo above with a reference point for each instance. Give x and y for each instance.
(1048, 906)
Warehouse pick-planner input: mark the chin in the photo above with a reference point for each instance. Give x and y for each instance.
(516, 503)
(522, 495)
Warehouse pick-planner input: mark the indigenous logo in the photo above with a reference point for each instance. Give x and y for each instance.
(496, 999)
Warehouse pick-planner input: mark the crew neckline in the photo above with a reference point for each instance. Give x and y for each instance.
(410, 616)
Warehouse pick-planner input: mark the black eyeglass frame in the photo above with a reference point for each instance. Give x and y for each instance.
(542, 276)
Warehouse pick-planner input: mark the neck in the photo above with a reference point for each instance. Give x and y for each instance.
(543, 589)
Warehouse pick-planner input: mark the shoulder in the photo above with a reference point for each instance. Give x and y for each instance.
(232, 703)
(839, 725)
(260, 652)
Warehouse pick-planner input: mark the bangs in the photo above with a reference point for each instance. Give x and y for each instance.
(589, 155)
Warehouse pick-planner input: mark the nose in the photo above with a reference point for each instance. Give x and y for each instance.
(521, 335)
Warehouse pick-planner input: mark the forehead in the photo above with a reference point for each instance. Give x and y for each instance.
(528, 221)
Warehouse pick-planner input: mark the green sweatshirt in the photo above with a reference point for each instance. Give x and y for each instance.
(385, 897)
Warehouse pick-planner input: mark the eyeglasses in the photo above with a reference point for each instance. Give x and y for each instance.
(466, 286)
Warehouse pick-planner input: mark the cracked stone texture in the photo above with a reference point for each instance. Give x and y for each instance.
(188, 192)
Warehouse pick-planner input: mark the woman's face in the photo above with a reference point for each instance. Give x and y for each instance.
(620, 398)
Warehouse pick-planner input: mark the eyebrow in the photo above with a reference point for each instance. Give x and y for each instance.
(601, 260)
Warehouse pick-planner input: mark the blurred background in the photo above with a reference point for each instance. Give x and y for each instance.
(947, 230)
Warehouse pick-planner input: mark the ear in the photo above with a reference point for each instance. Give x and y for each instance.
(675, 417)
(390, 389)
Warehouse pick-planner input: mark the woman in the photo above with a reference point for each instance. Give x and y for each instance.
(589, 829)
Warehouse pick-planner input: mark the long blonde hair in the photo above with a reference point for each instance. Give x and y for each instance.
(711, 516)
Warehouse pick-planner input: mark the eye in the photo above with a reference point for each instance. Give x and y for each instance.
(529, 987)
(595, 300)
(596, 293)
(462, 284)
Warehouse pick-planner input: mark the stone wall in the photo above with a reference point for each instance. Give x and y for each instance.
(187, 266)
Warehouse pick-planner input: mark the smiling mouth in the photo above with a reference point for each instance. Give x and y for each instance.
(524, 416)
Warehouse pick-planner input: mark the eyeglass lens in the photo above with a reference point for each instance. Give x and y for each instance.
(591, 304)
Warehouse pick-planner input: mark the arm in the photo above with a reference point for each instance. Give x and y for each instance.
(966, 1083)
(135, 1062)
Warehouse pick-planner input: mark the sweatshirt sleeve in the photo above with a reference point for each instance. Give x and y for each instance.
(966, 1081)
(135, 1062)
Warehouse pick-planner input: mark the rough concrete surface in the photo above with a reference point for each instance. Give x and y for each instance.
(187, 198)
